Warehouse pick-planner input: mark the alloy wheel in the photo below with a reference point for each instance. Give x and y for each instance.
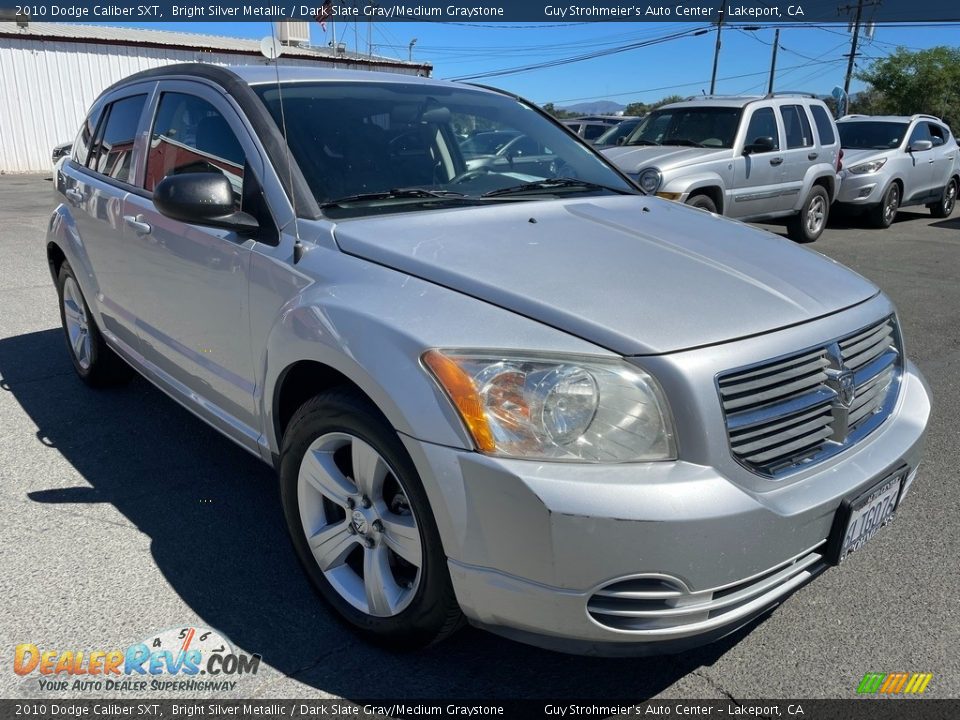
(816, 215)
(78, 327)
(949, 198)
(359, 524)
(892, 205)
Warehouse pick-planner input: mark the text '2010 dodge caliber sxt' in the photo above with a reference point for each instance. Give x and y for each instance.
(507, 389)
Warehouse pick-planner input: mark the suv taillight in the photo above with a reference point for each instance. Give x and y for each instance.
(840, 160)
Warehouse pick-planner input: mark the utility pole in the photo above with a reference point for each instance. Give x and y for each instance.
(773, 60)
(716, 52)
(856, 36)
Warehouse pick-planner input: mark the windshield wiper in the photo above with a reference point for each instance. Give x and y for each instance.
(395, 194)
(553, 184)
(642, 141)
(682, 141)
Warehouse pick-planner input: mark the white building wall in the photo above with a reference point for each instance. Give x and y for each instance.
(46, 88)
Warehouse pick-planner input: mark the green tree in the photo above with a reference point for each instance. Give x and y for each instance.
(923, 81)
(638, 109)
(667, 100)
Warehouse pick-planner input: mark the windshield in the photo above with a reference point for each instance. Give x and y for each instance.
(714, 127)
(420, 145)
(871, 135)
(611, 136)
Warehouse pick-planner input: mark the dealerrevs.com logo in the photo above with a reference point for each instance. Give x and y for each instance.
(189, 659)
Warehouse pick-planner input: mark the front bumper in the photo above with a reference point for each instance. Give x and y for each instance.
(862, 190)
(643, 558)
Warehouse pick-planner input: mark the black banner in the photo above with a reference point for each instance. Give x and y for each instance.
(478, 11)
(873, 708)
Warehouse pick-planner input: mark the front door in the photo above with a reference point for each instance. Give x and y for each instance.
(757, 173)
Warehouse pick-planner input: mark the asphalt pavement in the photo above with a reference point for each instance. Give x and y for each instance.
(123, 515)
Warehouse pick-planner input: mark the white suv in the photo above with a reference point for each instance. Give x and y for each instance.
(894, 161)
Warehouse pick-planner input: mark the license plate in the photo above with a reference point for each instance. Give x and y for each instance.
(859, 520)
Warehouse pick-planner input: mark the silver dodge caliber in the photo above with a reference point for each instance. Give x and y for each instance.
(519, 393)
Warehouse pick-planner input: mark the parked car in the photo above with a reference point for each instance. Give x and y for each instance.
(520, 154)
(617, 133)
(487, 143)
(750, 158)
(560, 409)
(592, 127)
(892, 162)
(59, 151)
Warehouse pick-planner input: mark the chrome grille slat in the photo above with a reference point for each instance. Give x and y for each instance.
(811, 404)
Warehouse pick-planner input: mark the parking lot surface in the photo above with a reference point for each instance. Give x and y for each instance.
(123, 516)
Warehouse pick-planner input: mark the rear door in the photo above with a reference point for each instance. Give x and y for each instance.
(96, 184)
(757, 175)
(798, 155)
(944, 155)
(193, 306)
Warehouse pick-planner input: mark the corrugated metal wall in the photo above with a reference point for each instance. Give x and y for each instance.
(46, 88)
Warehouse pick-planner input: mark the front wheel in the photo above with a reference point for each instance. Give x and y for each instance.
(809, 224)
(361, 524)
(883, 215)
(944, 208)
(702, 202)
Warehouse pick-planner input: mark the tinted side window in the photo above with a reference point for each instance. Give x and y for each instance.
(112, 152)
(937, 134)
(592, 132)
(824, 125)
(191, 136)
(81, 146)
(763, 124)
(796, 126)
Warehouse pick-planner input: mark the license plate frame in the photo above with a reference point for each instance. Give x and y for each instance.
(837, 549)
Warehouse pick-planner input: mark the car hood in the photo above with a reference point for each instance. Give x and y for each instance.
(633, 274)
(633, 159)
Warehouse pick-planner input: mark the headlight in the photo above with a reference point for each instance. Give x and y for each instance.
(868, 167)
(542, 408)
(649, 180)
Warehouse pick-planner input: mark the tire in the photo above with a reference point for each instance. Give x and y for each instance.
(883, 215)
(944, 208)
(95, 363)
(404, 606)
(809, 223)
(702, 202)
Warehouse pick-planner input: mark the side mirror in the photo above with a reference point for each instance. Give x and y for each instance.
(759, 145)
(920, 145)
(202, 199)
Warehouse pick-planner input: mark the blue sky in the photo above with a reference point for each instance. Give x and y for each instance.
(810, 59)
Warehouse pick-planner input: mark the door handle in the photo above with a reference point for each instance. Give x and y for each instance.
(812, 156)
(136, 222)
(74, 194)
(776, 161)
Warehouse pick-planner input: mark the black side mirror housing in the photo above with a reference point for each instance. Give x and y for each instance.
(202, 199)
(759, 145)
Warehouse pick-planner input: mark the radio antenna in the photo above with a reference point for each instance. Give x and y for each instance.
(271, 49)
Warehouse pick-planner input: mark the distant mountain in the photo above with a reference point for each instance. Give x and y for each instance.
(599, 107)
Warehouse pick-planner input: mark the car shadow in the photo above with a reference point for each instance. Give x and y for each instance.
(217, 535)
(952, 223)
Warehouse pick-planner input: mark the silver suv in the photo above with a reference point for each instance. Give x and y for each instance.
(750, 158)
(893, 162)
(545, 404)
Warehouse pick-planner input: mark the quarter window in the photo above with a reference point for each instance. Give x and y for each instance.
(796, 126)
(112, 151)
(824, 125)
(763, 124)
(191, 136)
(937, 134)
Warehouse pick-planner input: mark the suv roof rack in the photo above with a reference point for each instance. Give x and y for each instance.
(925, 115)
(791, 93)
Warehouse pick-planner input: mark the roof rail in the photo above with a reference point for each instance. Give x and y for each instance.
(720, 97)
(791, 93)
(854, 115)
(925, 115)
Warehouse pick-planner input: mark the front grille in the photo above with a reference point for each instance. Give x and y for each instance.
(656, 605)
(789, 412)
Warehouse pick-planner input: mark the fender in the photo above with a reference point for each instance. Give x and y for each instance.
(686, 185)
(62, 232)
(813, 174)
